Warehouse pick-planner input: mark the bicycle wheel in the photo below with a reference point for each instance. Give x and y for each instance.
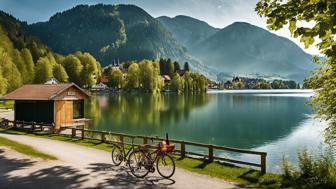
(117, 155)
(138, 163)
(165, 166)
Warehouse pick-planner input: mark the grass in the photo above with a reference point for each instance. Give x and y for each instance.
(6, 104)
(24, 149)
(224, 171)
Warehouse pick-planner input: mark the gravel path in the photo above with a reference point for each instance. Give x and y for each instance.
(82, 167)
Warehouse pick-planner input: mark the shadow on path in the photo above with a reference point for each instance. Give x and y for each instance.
(62, 176)
(122, 178)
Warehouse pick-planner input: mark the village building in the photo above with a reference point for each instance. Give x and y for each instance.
(99, 87)
(52, 81)
(58, 104)
(104, 79)
(166, 78)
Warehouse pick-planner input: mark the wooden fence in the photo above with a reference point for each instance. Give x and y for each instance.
(111, 137)
(30, 126)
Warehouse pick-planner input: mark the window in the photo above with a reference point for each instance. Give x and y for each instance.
(78, 109)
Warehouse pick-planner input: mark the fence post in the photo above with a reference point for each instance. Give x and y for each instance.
(83, 133)
(210, 147)
(103, 137)
(121, 138)
(73, 132)
(145, 140)
(183, 149)
(263, 163)
(32, 127)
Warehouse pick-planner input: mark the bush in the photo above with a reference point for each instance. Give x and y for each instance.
(314, 171)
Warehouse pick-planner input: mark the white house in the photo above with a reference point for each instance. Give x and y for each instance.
(52, 81)
(99, 87)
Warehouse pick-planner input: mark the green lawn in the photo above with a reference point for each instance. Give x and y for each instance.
(24, 149)
(6, 104)
(224, 171)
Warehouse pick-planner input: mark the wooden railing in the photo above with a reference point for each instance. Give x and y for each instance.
(30, 126)
(111, 137)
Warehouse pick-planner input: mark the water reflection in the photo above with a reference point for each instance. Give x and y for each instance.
(276, 123)
(237, 120)
(141, 114)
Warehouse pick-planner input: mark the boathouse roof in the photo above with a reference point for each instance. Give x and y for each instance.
(41, 91)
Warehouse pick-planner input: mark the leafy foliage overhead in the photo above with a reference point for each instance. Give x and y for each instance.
(322, 13)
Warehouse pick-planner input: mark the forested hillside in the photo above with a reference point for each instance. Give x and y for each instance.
(109, 32)
(24, 59)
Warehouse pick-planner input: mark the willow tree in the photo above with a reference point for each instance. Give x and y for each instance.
(116, 79)
(73, 67)
(29, 63)
(44, 70)
(322, 14)
(133, 76)
(3, 83)
(60, 73)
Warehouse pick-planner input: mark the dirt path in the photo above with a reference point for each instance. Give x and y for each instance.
(81, 167)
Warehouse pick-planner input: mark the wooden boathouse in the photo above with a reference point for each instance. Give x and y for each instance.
(58, 104)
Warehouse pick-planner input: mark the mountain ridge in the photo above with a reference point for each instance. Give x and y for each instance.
(187, 29)
(252, 49)
(127, 32)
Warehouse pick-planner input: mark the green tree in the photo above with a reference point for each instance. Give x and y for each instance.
(60, 73)
(73, 68)
(90, 73)
(188, 86)
(18, 61)
(10, 73)
(170, 68)
(322, 14)
(30, 66)
(186, 66)
(3, 83)
(147, 76)
(51, 58)
(176, 83)
(116, 79)
(59, 58)
(43, 71)
(176, 66)
(133, 77)
(108, 70)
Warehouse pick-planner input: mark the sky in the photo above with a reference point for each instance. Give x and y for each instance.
(217, 13)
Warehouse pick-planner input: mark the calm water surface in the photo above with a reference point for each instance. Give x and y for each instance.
(279, 124)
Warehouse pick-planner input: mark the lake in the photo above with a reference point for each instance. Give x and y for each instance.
(275, 121)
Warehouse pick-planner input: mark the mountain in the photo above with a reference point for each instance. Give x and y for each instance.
(124, 32)
(189, 31)
(25, 60)
(127, 32)
(247, 49)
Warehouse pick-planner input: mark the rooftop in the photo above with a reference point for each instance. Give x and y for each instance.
(40, 92)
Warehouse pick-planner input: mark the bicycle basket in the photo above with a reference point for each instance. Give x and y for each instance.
(167, 148)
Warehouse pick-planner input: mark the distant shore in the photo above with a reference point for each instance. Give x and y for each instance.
(265, 91)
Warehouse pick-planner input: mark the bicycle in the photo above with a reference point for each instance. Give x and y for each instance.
(141, 161)
(119, 154)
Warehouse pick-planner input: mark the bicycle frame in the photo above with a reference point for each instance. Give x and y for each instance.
(122, 145)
